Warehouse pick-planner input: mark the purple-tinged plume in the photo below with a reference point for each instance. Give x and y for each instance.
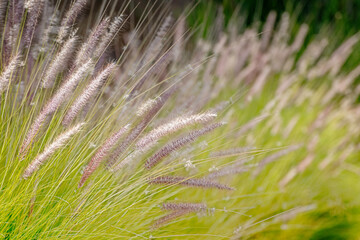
(169, 217)
(69, 19)
(58, 143)
(194, 207)
(88, 47)
(178, 143)
(7, 73)
(101, 154)
(114, 28)
(178, 210)
(35, 9)
(139, 128)
(60, 62)
(189, 182)
(89, 92)
(173, 126)
(54, 103)
(157, 43)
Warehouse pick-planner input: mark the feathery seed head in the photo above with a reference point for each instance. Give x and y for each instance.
(191, 182)
(60, 62)
(69, 19)
(169, 206)
(58, 143)
(7, 73)
(101, 154)
(146, 107)
(178, 143)
(89, 92)
(87, 49)
(173, 126)
(106, 39)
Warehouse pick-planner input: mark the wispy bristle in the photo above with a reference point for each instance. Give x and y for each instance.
(194, 207)
(60, 62)
(101, 154)
(178, 143)
(231, 152)
(173, 126)
(5, 76)
(89, 92)
(114, 28)
(190, 182)
(54, 103)
(146, 107)
(169, 217)
(58, 143)
(71, 15)
(88, 47)
(138, 129)
(274, 157)
(35, 9)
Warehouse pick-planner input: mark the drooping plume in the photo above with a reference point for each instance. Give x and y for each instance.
(231, 152)
(138, 129)
(88, 47)
(101, 154)
(169, 217)
(178, 210)
(169, 206)
(157, 43)
(268, 30)
(69, 19)
(173, 126)
(58, 143)
(236, 168)
(54, 103)
(89, 92)
(114, 28)
(7, 73)
(60, 62)
(189, 182)
(178, 143)
(35, 9)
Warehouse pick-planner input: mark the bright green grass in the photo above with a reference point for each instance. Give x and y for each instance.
(123, 205)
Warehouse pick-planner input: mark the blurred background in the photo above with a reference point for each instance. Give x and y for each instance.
(339, 18)
(336, 19)
(342, 15)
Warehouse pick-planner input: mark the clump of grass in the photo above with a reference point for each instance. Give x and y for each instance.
(151, 109)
